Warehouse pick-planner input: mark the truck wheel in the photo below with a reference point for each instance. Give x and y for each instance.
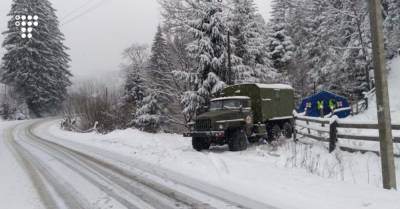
(287, 130)
(276, 132)
(238, 141)
(200, 144)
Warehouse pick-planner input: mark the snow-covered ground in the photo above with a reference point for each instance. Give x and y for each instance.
(288, 175)
(16, 190)
(370, 116)
(394, 93)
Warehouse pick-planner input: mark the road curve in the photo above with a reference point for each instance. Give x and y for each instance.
(69, 176)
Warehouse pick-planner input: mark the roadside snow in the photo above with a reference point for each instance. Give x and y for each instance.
(286, 175)
(16, 189)
(370, 116)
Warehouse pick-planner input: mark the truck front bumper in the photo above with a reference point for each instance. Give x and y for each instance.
(216, 134)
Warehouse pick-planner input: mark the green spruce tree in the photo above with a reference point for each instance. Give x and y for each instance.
(154, 112)
(392, 27)
(280, 43)
(36, 67)
(248, 29)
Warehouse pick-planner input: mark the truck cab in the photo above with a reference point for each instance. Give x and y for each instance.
(245, 113)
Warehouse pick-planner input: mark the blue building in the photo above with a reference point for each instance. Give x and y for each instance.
(327, 103)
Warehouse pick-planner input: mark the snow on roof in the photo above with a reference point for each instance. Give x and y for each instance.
(267, 86)
(273, 86)
(227, 98)
(316, 95)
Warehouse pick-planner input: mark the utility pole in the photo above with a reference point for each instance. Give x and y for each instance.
(382, 96)
(315, 88)
(229, 59)
(5, 92)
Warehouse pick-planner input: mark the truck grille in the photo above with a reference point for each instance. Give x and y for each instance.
(203, 125)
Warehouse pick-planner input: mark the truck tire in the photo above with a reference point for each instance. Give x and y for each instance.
(287, 130)
(276, 132)
(200, 144)
(237, 140)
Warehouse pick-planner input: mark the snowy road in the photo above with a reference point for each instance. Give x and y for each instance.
(69, 175)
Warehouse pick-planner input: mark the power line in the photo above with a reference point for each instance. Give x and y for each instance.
(76, 9)
(91, 9)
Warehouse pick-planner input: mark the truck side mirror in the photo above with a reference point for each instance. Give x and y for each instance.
(203, 109)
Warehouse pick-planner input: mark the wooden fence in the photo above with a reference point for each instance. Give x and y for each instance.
(363, 104)
(308, 127)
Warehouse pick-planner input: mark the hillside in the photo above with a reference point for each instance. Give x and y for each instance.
(394, 86)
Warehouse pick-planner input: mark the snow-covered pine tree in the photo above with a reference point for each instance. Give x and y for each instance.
(206, 49)
(159, 70)
(300, 26)
(61, 58)
(350, 39)
(280, 44)
(209, 31)
(36, 68)
(135, 85)
(209, 51)
(392, 27)
(321, 36)
(133, 95)
(155, 109)
(248, 29)
(150, 115)
(332, 45)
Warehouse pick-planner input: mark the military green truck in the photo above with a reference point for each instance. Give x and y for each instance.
(244, 113)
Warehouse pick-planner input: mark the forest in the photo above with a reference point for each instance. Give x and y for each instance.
(200, 47)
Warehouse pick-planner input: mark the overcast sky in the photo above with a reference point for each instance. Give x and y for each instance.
(97, 38)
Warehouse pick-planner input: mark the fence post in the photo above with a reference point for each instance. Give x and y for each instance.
(357, 108)
(333, 136)
(308, 129)
(294, 129)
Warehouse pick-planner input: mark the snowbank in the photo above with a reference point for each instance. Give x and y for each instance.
(370, 116)
(394, 95)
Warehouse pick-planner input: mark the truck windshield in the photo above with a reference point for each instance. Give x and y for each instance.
(228, 104)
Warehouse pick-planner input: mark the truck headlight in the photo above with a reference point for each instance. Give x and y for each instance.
(221, 126)
(249, 120)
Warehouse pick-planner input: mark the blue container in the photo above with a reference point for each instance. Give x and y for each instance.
(329, 102)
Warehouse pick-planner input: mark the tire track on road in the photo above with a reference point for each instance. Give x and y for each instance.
(91, 172)
(79, 169)
(30, 170)
(44, 181)
(110, 179)
(113, 172)
(116, 174)
(231, 199)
